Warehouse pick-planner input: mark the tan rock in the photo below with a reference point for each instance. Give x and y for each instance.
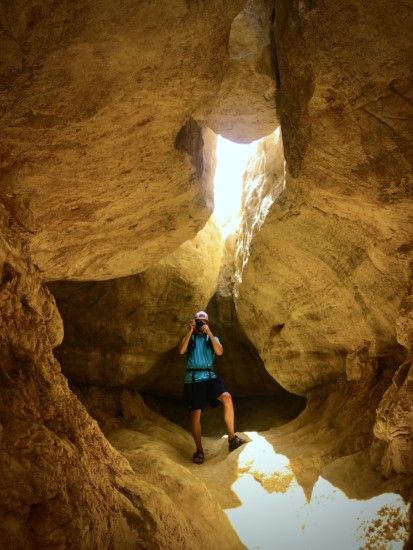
(328, 269)
(97, 136)
(160, 453)
(58, 478)
(244, 108)
(62, 483)
(117, 330)
(263, 183)
(324, 277)
(125, 331)
(394, 420)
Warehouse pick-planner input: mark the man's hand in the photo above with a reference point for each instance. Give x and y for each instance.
(183, 345)
(219, 350)
(206, 330)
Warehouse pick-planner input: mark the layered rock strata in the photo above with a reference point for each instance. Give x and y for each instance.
(62, 483)
(98, 138)
(118, 330)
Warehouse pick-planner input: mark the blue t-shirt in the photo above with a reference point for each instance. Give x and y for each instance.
(200, 356)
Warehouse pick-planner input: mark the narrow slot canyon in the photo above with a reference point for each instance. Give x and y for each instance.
(249, 158)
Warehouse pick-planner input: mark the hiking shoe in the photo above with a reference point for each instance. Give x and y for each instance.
(235, 442)
(198, 457)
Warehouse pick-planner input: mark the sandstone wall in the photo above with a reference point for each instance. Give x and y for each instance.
(321, 292)
(117, 330)
(125, 331)
(98, 142)
(53, 456)
(62, 484)
(392, 452)
(244, 108)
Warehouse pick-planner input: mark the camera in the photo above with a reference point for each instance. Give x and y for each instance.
(199, 323)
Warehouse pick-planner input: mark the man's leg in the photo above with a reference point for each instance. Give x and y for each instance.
(226, 401)
(233, 440)
(196, 428)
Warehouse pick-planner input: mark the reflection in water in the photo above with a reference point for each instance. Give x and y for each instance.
(276, 515)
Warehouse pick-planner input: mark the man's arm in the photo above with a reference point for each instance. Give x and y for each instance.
(219, 350)
(183, 344)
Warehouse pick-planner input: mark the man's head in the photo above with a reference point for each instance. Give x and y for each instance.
(201, 319)
(201, 315)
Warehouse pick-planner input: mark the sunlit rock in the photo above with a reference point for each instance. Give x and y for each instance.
(244, 108)
(117, 330)
(263, 183)
(96, 101)
(327, 272)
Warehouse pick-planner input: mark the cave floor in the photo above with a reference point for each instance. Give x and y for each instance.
(274, 489)
(259, 413)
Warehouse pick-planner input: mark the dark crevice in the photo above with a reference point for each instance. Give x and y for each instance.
(274, 57)
(189, 139)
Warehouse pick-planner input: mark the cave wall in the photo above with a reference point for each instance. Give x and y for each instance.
(63, 484)
(392, 450)
(106, 163)
(100, 148)
(106, 152)
(124, 331)
(117, 330)
(58, 483)
(321, 294)
(244, 106)
(106, 167)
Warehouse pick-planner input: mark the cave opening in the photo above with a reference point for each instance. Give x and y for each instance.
(231, 164)
(102, 357)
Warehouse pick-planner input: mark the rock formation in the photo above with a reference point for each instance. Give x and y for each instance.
(106, 158)
(244, 107)
(124, 332)
(97, 137)
(117, 330)
(328, 270)
(62, 483)
(322, 292)
(393, 451)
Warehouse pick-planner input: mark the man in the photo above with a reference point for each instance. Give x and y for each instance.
(202, 385)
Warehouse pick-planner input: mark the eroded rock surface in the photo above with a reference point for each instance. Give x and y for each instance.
(117, 330)
(125, 331)
(322, 290)
(97, 136)
(62, 483)
(393, 452)
(244, 108)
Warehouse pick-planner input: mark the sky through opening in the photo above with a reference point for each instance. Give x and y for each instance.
(232, 160)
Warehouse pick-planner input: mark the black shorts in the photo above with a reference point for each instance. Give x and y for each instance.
(199, 394)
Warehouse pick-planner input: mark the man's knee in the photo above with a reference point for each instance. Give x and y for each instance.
(196, 413)
(225, 398)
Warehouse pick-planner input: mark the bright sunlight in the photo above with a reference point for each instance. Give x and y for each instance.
(232, 160)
